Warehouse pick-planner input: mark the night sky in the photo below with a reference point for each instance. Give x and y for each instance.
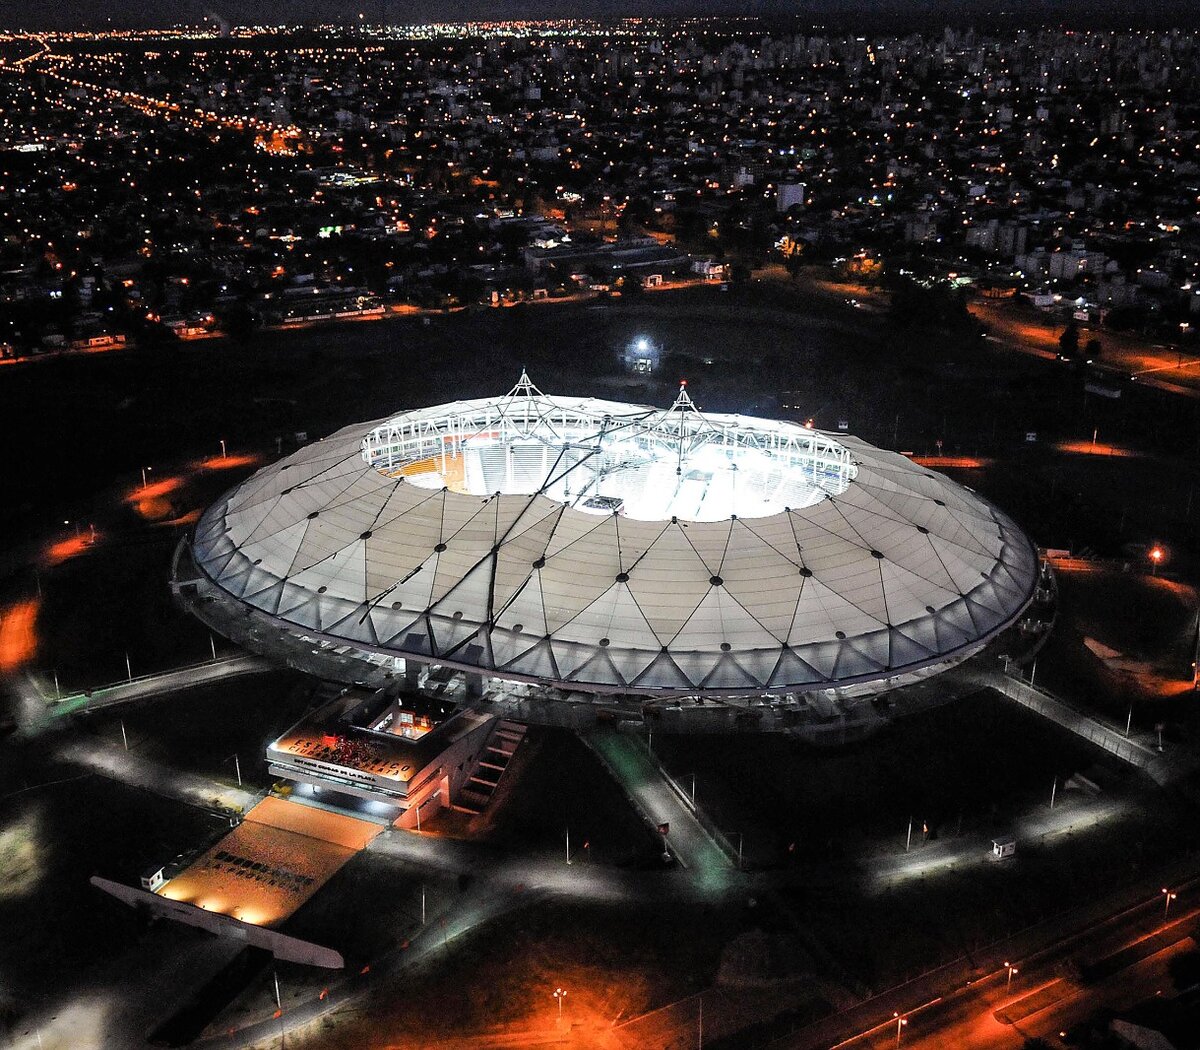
(867, 15)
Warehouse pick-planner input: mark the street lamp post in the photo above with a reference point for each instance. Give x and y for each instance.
(145, 483)
(900, 1023)
(1011, 970)
(560, 994)
(223, 448)
(1156, 556)
(1168, 896)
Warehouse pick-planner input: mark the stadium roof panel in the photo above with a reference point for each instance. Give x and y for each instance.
(612, 547)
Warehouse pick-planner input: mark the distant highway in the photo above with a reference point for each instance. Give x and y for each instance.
(1114, 956)
(1152, 364)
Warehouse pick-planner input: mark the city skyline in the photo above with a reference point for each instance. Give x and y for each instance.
(883, 15)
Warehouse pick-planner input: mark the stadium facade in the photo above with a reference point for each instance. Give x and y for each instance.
(561, 551)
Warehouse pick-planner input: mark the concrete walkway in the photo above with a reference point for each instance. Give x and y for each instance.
(126, 767)
(1081, 723)
(628, 760)
(156, 684)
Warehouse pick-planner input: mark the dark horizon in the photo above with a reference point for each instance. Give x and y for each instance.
(898, 16)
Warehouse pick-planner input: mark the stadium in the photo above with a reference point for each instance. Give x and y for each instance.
(560, 550)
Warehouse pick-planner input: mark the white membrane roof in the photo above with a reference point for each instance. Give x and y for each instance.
(620, 548)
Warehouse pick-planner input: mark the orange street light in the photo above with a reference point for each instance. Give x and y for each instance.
(900, 1023)
(1011, 970)
(560, 994)
(1168, 897)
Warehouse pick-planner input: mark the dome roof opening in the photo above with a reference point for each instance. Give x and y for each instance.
(603, 458)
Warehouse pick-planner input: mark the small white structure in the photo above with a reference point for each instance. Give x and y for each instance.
(153, 880)
(1003, 848)
(642, 355)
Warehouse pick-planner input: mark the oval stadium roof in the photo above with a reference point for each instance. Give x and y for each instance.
(619, 548)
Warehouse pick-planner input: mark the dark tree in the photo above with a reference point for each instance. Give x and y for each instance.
(1185, 970)
(1068, 342)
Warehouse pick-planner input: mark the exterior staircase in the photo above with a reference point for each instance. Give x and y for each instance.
(493, 761)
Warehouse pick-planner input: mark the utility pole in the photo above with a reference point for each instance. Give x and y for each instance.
(908, 841)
